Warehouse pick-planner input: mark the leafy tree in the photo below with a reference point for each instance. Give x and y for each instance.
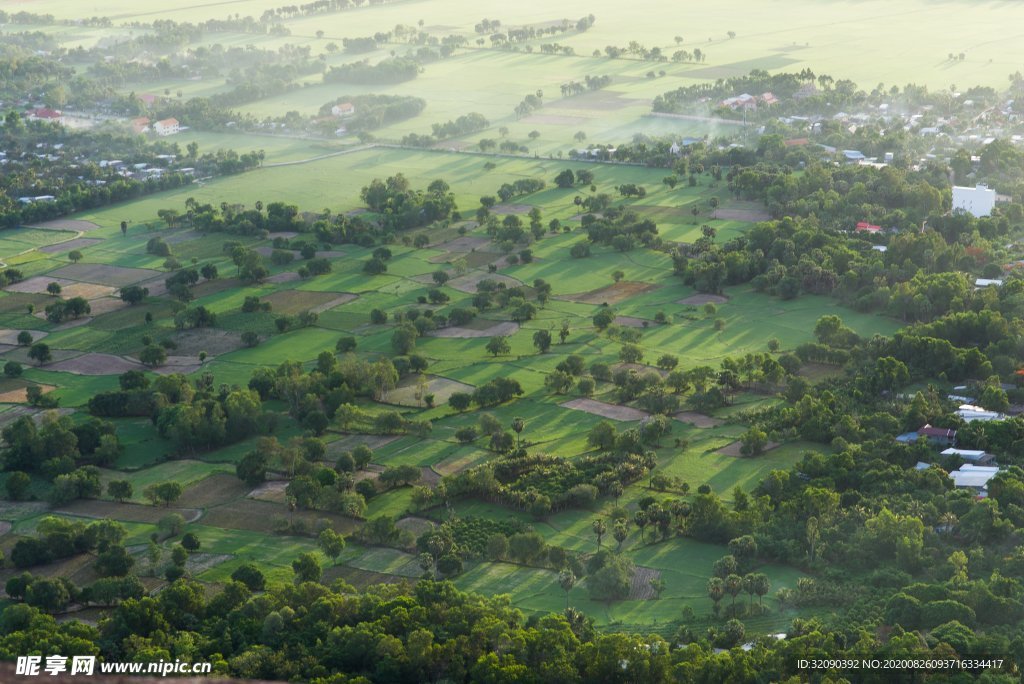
(306, 568)
(566, 580)
(613, 580)
(40, 353)
(153, 355)
(542, 340)
(249, 575)
(600, 527)
(190, 542)
(498, 345)
(134, 294)
(331, 543)
(119, 490)
(17, 485)
(165, 493)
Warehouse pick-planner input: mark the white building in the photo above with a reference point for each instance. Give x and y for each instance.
(974, 477)
(972, 413)
(985, 282)
(343, 109)
(977, 201)
(166, 127)
(970, 455)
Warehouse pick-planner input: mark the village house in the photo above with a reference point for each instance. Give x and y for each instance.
(972, 413)
(748, 101)
(45, 114)
(936, 435)
(140, 124)
(865, 227)
(974, 477)
(343, 109)
(977, 201)
(166, 127)
(970, 455)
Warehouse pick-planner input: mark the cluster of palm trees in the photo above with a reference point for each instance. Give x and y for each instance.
(733, 585)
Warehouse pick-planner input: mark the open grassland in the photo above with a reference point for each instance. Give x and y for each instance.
(237, 526)
(906, 40)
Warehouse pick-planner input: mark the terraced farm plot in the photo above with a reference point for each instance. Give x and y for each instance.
(20, 395)
(113, 276)
(95, 364)
(8, 336)
(63, 247)
(611, 294)
(465, 332)
(210, 340)
(600, 408)
(291, 302)
(410, 393)
(66, 225)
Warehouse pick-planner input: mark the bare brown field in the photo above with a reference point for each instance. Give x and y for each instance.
(350, 442)
(66, 224)
(442, 388)
(209, 340)
(20, 354)
(10, 336)
(20, 395)
(20, 301)
(343, 298)
(291, 302)
(115, 276)
(77, 243)
(104, 305)
(270, 491)
(480, 258)
(37, 284)
(209, 287)
(632, 322)
(258, 516)
(95, 364)
(285, 277)
(199, 562)
(511, 208)
(611, 294)
(697, 419)
(466, 243)
(599, 408)
(129, 512)
(701, 299)
(467, 283)
(156, 286)
(429, 477)
(213, 490)
(752, 215)
(503, 328)
(179, 364)
(640, 586)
